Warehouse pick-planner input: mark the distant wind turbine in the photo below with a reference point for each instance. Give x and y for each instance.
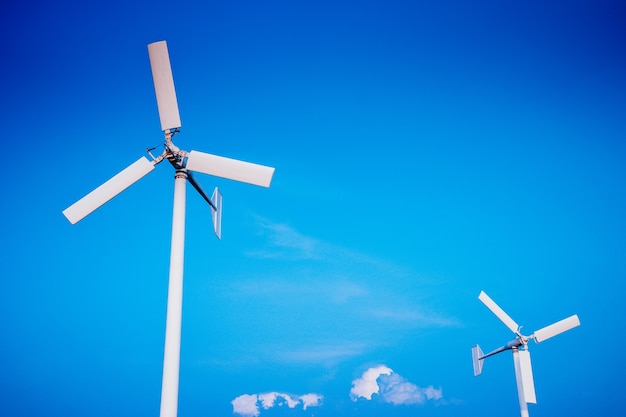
(519, 346)
(183, 162)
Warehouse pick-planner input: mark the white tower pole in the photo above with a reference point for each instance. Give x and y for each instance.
(171, 359)
(523, 406)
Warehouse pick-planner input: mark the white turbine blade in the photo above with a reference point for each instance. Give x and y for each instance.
(556, 328)
(524, 376)
(108, 190)
(164, 85)
(231, 169)
(495, 309)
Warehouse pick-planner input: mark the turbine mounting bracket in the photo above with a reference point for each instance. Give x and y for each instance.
(523, 339)
(174, 154)
(170, 133)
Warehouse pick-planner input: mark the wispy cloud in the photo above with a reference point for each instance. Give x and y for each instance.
(413, 316)
(286, 243)
(390, 387)
(336, 292)
(321, 303)
(321, 353)
(250, 405)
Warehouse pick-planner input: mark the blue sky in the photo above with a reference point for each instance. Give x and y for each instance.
(424, 151)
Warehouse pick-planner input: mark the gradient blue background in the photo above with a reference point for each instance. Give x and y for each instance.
(424, 151)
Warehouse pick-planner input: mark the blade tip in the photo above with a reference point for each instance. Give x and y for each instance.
(67, 213)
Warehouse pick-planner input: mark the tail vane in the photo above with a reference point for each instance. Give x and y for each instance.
(216, 212)
(477, 358)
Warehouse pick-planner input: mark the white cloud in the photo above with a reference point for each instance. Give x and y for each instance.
(248, 405)
(367, 385)
(391, 388)
(397, 390)
(270, 399)
(310, 400)
(380, 383)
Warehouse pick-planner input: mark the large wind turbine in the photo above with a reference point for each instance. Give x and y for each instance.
(183, 162)
(519, 346)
